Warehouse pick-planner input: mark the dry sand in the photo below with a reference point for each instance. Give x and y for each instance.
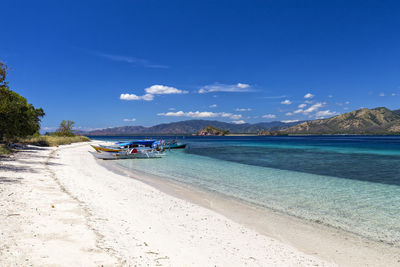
(59, 207)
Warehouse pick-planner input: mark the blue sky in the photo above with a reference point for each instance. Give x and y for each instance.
(114, 63)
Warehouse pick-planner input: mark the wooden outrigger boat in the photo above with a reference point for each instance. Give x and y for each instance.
(128, 154)
(107, 149)
(174, 145)
(123, 146)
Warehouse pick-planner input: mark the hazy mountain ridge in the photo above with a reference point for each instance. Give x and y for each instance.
(191, 127)
(363, 121)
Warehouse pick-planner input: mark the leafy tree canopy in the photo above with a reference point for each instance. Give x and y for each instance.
(18, 118)
(65, 128)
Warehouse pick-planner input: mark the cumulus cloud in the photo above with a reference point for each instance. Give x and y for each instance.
(325, 113)
(218, 87)
(308, 95)
(312, 108)
(286, 102)
(382, 94)
(302, 105)
(243, 109)
(130, 119)
(212, 106)
(146, 97)
(158, 89)
(269, 116)
(239, 122)
(201, 114)
(289, 121)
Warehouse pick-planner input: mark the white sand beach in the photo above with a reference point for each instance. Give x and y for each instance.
(59, 207)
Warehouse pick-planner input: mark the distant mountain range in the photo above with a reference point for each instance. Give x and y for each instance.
(363, 121)
(191, 127)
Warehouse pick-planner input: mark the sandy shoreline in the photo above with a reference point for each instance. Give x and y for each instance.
(60, 207)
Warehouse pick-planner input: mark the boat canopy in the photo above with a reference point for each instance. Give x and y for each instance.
(136, 142)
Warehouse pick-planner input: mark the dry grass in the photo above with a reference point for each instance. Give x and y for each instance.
(45, 140)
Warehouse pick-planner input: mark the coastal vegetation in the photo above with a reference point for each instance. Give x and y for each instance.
(53, 140)
(65, 129)
(18, 118)
(20, 121)
(63, 136)
(4, 149)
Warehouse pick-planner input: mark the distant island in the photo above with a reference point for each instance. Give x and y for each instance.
(211, 130)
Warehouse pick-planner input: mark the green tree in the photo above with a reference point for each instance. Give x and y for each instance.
(18, 118)
(65, 128)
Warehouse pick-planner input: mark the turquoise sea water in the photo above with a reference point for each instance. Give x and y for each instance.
(347, 182)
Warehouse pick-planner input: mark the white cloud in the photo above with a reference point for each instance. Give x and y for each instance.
(146, 97)
(314, 107)
(243, 85)
(347, 102)
(289, 121)
(212, 106)
(302, 105)
(158, 89)
(151, 91)
(239, 87)
(130, 119)
(286, 102)
(171, 108)
(325, 113)
(201, 114)
(330, 96)
(394, 94)
(243, 109)
(309, 96)
(269, 116)
(309, 101)
(239, 122)
(230, 115)
(382, 94)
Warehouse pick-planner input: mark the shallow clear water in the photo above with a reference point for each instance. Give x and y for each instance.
(348, 182)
